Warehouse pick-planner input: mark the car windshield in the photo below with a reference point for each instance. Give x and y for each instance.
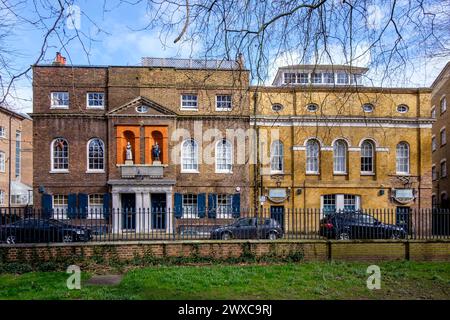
(244, 222)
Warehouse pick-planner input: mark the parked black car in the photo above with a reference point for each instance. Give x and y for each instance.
(249, 228)
(358, 225)
(42, 230)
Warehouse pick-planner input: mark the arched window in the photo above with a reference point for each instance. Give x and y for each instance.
(312, 156)
(276, 156)
(96, 155)
(189, 156)
(340, 156)
(224, 156)
(402, 158)
(60, 155)
(367, 157)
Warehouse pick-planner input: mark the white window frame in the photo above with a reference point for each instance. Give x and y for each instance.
(319, 81)
(443, 165)
(276, 156)
(228, 200)
(324, 77)
(89, 170)
(291, 74)
(95, 211)
(339, 157)
(371, 157)
(230, 170)
(433, 143)
(339, 201)
(2, 161)
(402, 105)
(340, 77)
(397, 159)
(88, 106)
(59, 106)
(193, 212)
(2, 197)
(224, 102)
(300, 79)
(2, 132)
(372, 107)
(184, 156)
(52, 162)
(188, 108)
(312, 161)
(60, 211)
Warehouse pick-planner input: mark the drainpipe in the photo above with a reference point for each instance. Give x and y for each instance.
(9, 165)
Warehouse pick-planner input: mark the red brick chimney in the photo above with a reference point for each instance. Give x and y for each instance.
(59, 59)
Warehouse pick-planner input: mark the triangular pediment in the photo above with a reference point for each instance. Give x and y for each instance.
(153, 108)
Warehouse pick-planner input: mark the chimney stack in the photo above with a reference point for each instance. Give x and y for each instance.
(240, 60)
(59, 60)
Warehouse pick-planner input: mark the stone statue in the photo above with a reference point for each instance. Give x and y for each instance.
(129, 155)
(156, 152)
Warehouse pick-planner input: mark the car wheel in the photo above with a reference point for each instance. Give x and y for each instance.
(272, 236)
(344, 236)
(11, 239)
(226, 236)
(68, 238)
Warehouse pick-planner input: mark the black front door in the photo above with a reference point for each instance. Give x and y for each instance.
(402, 218)
(277, 213)
(128, 211)
(158, 210)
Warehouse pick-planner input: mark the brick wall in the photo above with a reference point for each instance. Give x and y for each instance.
(309, 250)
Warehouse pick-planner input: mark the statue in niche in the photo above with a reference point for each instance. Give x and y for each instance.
(129, 154)
(156, 152)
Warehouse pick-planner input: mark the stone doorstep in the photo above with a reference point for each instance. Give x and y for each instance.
(105, 280)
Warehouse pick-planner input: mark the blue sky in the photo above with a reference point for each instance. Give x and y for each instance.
(121, 42)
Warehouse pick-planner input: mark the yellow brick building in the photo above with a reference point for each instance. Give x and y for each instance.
(327, 142)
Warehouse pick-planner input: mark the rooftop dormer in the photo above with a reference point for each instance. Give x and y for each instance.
(319, 75)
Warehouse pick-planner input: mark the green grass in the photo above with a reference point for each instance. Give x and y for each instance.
(399, 280)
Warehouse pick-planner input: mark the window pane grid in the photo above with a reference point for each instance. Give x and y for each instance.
(329, 203)
(189, 101)
(276, 163)
(96, 99)
(224, 205)
(402, 158)
(340, 157)
(312, 157)
(190, 155)
(223, 155)
(223, 102)
(189, 205)
(349, 202)
(367, 157)
(96, 155)
(60, 155)
(60, 99)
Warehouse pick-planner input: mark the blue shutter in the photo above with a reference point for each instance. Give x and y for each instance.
(178, 208)
(236, 204)
(72, 205)
(47, 205)
(212, 205)
(83, 205)
(201, 205)
(106, 207)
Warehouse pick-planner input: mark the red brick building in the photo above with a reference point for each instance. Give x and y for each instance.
(85, 117)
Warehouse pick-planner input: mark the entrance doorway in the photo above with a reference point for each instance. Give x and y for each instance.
(277, 213)
(158, 202)
(128, 211)
(402, 218)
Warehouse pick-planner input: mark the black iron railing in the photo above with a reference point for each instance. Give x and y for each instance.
(59, 225)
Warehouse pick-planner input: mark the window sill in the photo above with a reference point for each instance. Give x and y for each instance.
(275, 172)
(95, 108)
(190, 171)
(185, 218)
(220, 171)
(367, 173)
(95, 171)
(402, 174)
(224, 109)
(312, 173)
(59, 171)
(340, 173)
(59, 107)
(188, 109)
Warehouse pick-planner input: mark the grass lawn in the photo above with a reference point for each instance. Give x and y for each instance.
(399, 280)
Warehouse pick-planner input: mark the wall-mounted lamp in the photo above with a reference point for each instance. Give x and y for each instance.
(381, 192)
(41, 189)
(298, 192)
